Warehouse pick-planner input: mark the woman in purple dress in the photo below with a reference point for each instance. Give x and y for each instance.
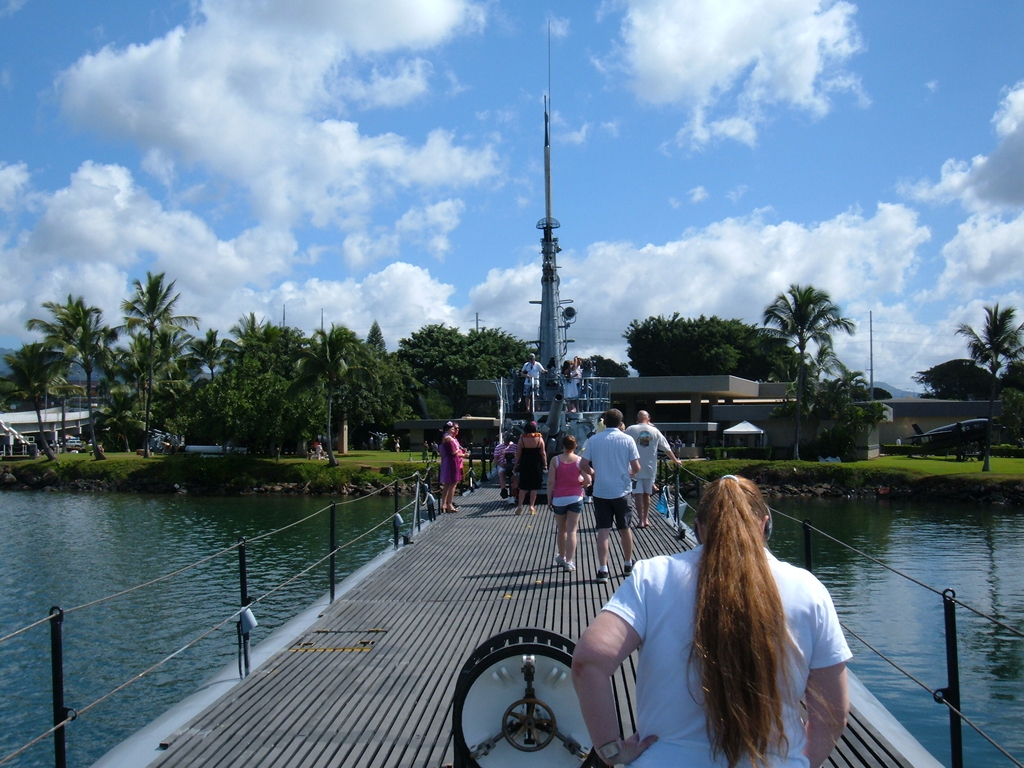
(452, 455)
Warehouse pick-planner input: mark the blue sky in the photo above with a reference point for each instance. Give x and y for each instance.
(383, 161)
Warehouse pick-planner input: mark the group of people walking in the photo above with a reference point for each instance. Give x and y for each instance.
(742, 657)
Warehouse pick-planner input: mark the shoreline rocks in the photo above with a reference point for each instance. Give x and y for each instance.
(27, 479)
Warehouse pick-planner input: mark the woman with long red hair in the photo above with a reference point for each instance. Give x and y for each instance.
(731, 640)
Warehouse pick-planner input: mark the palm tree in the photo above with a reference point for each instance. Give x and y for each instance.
(151, 309)
(1000, 341)
(35, 369)
(119, 415)
(800, 316)
(207, 351)
(86, 341)
(329, 357)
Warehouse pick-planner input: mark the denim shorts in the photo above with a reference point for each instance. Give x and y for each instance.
(576, 506)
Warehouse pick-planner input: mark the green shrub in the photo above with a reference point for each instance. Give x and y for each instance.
(718, 453)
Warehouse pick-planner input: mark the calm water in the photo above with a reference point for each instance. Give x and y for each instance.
(65, 549)
(978, 552)
(69, 549)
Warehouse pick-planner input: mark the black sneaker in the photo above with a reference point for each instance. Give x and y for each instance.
(603, 575)
(627, 568)
(504, 493)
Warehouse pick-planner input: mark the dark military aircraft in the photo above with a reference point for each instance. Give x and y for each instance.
(965, 437)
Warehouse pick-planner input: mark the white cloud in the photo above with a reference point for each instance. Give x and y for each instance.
(409, 81)
(698, 194)
(11, 7)
(250, 93)
(932, 86)
(732, 268)
(432, 224)
(734, 195)
(577, 137)
(14, 184)
(987, 252)
(985, 184)
(401, 297)
(558, 26)
(727, 62)
(92, 232)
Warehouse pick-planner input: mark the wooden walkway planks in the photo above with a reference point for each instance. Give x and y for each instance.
(371, 683)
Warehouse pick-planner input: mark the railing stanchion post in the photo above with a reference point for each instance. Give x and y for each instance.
(334, 546)
(676, 504)
(60, 713)
(419, 510)
(396, 522)
(243, 581)
(951, 693)
(430, 507)
(808, 564)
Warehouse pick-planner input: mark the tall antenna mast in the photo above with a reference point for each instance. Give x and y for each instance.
(552, 346)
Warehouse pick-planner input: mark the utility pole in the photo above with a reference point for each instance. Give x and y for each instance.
(871, 354)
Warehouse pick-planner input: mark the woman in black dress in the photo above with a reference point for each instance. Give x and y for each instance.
(531, 458)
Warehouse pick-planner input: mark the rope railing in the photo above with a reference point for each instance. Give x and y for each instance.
(875, 560)
(950, 695)
(941, 700)
(73, 714)
(906, 576)
(204, 560)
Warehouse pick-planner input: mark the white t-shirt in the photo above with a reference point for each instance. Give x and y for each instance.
(533, 370)
(658, 602)
(609, 453)
(648, 440)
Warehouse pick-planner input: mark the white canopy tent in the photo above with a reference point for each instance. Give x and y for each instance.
(744, 432)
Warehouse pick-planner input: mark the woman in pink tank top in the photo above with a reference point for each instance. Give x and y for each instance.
(566, 484)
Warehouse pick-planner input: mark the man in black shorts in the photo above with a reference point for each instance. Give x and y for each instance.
(614, 457)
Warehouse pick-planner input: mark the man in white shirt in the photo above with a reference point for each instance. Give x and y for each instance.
(648, 441)
(613, 456)
(531, 372)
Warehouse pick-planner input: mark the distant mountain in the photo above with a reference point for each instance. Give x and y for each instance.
(896, 392)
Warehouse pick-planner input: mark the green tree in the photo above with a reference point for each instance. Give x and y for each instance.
(801, 316)
(608, 368)
(443, 359)
(119, 415)
(79, 331)
(678, 346)
(375, 338)
(35, 369)
(324, 364)
(151, 309)
(1013, 412)
(378, 397)
(954, 380)
(207, 352)
(251, 404)
(999, 343)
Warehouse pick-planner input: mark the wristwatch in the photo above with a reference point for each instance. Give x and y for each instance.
(610, 751)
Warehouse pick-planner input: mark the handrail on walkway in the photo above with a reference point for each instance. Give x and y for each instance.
(241, 617)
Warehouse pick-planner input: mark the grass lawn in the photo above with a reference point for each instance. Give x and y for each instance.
(933, 465)
(375, 467)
